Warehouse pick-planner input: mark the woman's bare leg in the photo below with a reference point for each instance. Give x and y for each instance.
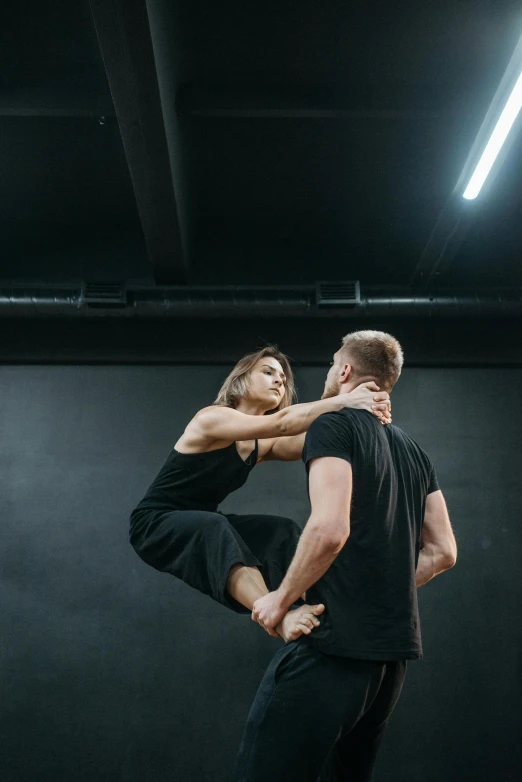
(300, 621)
(246, 585)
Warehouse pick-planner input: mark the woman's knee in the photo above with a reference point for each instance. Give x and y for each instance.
(206, 521)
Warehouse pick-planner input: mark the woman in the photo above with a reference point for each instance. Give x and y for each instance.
(177, 527)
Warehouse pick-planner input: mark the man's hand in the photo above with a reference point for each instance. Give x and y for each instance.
(364, 398)
(269, 610)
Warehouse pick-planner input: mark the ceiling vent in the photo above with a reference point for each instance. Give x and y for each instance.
(338, 294)
(104, 294)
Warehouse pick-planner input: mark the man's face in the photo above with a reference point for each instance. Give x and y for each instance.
(332, 386)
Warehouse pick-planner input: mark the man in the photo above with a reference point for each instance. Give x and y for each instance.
(378, 529)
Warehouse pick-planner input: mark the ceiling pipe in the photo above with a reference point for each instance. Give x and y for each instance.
(251, 302)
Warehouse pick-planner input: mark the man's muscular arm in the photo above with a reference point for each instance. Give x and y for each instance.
(326, 532)
(438, 546)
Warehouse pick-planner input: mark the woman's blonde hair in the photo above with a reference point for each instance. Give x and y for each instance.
(236, 385)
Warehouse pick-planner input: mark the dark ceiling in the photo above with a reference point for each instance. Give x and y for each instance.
(250, 143)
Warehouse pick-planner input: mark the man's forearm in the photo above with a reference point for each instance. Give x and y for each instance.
(432, 562)
(315, 553)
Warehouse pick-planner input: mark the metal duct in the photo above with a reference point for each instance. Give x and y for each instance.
(252, 302)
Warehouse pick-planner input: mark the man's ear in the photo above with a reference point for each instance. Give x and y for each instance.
(346, 372)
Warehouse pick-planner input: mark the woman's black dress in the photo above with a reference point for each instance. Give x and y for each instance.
(178, 529)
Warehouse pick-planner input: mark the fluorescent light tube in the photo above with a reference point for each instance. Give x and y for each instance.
(494, 145)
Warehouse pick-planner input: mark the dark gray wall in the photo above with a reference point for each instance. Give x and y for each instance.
(112, 672)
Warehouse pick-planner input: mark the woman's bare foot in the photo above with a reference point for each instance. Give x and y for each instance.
(300, 621)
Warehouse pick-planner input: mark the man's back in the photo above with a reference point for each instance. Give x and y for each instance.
(378, 529)
(369, 590)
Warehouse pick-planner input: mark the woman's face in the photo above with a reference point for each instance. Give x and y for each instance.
(266, 383)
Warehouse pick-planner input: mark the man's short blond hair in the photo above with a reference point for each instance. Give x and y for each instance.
(374, 354)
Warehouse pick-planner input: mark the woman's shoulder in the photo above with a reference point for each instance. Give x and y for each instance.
(198, 436)
(211, 416)
(212, 412)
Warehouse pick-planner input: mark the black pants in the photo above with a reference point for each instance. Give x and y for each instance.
(200, 547)
(318, 717)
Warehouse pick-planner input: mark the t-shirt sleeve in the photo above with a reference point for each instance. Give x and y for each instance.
(329, 435)
(433, 483)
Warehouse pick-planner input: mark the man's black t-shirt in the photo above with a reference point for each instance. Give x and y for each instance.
(369, 590)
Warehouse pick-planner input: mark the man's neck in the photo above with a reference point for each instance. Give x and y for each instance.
(351, 384)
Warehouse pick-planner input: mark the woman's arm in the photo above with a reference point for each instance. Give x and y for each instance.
(285, 449)
(290, 449)
(224, 423)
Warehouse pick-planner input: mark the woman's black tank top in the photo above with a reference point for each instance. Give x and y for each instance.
(198, 481)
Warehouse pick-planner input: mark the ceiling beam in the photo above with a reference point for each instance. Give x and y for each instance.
(194, 101)
(62, 111)
(428, 342)
(124, 36)
(25, 103)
